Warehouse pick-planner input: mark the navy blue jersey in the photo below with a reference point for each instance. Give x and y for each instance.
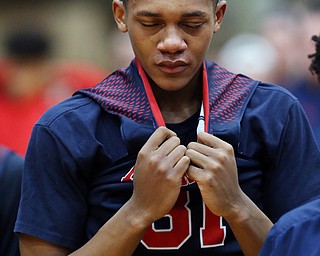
(296, 233)
(11, 166)
(79, 164)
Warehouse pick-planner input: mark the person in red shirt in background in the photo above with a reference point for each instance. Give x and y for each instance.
(30, 83)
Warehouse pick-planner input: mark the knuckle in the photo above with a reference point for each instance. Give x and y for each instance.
(175, 140)
(162, 128)
(162, 169)
(142, 154)
(223, 158)
(214, 165)
(188, 152)
(191, 145)
(229, 149)
(182, 149)
(154, 160)
(208, 178)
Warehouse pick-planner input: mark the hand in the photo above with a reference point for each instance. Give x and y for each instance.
(160, 166)
(213, 167)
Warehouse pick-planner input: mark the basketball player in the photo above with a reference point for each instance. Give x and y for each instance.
(173, 155)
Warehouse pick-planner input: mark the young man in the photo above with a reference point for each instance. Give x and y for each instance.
(297, 232)
(172, 156)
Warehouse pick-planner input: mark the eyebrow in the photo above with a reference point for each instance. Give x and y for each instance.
(195, 14)
(148, 14)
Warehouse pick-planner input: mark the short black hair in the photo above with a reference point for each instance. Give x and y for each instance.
(315, 57)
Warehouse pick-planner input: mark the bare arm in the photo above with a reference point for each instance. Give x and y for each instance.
(213, 167)
(159, 169)
(119, 236)
(250, 226)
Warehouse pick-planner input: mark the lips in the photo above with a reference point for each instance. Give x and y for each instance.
(172, 66)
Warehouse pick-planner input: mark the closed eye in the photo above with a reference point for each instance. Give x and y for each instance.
(150, 24)
(193, 25)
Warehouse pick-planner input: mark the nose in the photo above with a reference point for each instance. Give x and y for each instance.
(172, 41)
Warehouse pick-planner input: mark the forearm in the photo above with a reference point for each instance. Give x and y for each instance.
(250, 227)
(119, 236)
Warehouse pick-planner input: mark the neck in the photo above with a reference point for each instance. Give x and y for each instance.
(177, 106)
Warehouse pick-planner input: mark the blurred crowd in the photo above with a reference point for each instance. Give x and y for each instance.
(30, 83)
(277, 51)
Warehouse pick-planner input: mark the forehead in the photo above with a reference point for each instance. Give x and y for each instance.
(173, 7)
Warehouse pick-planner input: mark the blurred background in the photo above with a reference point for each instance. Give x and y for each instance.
(85, 30)
(48, 49)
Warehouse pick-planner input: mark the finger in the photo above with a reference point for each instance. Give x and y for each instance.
(195, 148)
(177, 153)
(157, 138)
(210, 145)
(200, 158)
(169, 145)
(175, 162)
(181, 166)
(195, 173)
(211, 140)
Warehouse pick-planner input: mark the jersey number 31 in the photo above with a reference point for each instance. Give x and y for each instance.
(212, 232)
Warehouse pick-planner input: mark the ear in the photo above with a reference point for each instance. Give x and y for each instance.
(219, 15)
(119, 14)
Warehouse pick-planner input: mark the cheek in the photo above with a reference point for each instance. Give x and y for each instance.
(205, 42)
(141, 47)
